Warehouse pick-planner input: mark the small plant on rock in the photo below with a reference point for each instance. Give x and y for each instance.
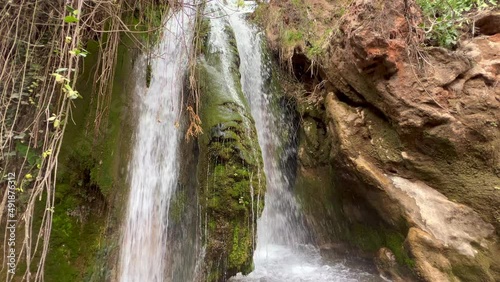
(445, 19)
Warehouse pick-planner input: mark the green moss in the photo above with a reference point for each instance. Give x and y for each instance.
(320, 202)
(305, 26)
(260, 13)
(33, 157)
(239, 254)
(69, 258)
(478, 268)
(146, 22)
(291, 37)
(230, 167)
(107, 149)
(146, 19)
(87, 178)
(149, 74)
(214, 276)
(371, 239)
(178, 206)
(314, 51)
(202, 30)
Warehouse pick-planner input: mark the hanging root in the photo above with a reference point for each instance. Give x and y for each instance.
(42, 46)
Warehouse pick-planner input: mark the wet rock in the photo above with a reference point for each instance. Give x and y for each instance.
(431, 264)
(456, 226)
(386, 264)
(232, 183)
(314, 146)
(453, 229)
(442, 115)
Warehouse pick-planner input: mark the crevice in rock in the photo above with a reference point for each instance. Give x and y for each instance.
(346, 100)
(306, 72)
(313, 77)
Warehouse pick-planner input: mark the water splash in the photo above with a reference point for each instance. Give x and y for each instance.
(154, 168)
(283, 263)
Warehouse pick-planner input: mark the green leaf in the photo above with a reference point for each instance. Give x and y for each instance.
(84, 52)
(69, 8)
(67, 87)
(60, 78)
(70, 19)
(79, 52)
(25, 151)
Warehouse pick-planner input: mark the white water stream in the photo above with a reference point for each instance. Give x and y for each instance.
(154, 168)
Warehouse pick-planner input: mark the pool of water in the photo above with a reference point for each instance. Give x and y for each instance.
(278, 263)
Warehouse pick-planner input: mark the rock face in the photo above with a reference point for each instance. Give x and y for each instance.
(435, 122)
(439, 123)
(230, 169)
(413, 135)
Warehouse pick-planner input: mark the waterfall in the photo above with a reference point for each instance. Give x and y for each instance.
(154, 168)
(285, 250)
(282, 222)
(284, 247)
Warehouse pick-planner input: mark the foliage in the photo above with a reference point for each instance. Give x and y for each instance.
(291, 37)
(444, 19)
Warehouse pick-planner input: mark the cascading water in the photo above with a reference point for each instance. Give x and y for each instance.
(284, 246)
(154, 168)
(282, 223)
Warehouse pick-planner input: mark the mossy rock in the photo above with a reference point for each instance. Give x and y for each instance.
(232, 181)
(90, 175)
(230, 168)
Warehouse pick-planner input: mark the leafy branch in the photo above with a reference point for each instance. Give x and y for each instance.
(444, 19)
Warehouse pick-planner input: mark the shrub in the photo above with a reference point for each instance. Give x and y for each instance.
(445, 18)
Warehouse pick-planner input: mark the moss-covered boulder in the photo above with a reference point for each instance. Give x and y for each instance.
(230, 169)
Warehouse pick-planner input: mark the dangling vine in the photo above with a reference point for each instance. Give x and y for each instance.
(42, 48)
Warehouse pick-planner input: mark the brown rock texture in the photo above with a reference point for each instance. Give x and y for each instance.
(444, 112)
(434, 117)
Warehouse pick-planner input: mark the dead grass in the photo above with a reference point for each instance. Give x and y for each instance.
(300, 26)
